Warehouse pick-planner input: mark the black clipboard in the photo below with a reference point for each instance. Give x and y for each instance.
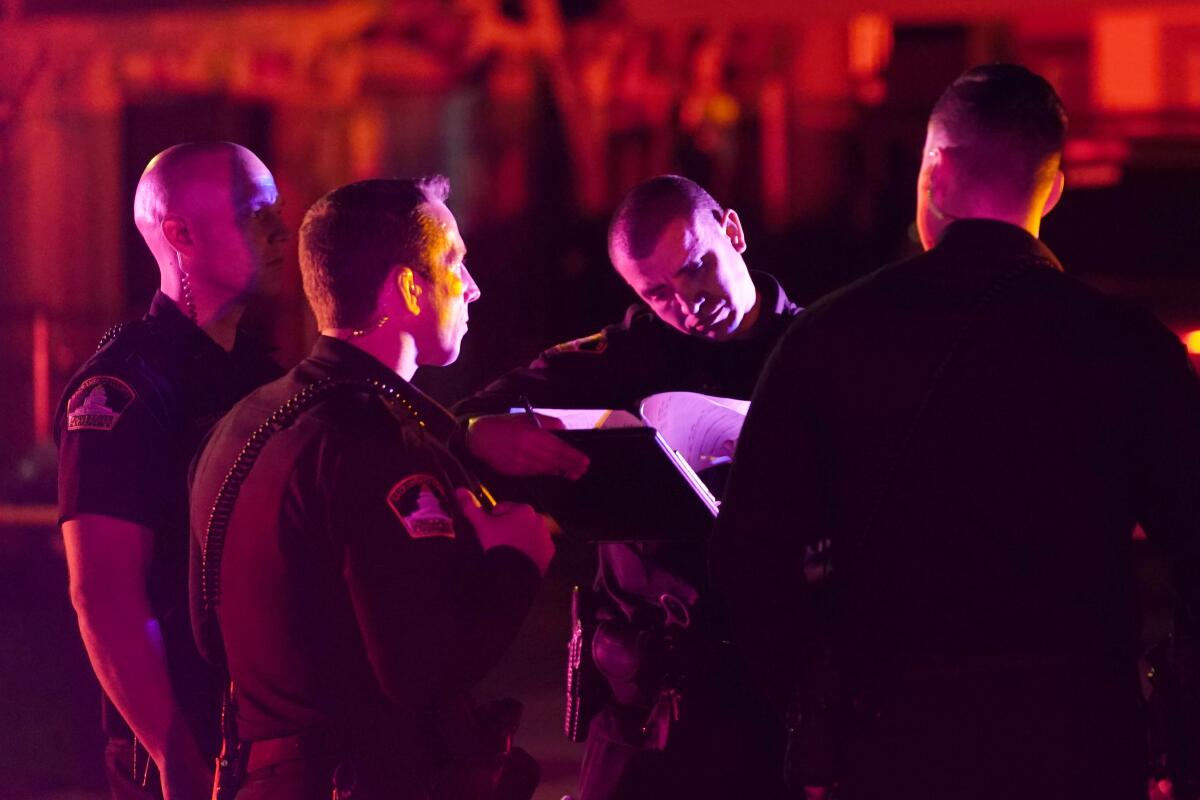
(636, 489)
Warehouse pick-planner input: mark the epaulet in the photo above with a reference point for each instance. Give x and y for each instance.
(129, 332)
(595, 344)
(112, 333)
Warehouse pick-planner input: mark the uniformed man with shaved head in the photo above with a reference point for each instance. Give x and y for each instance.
(127, 426)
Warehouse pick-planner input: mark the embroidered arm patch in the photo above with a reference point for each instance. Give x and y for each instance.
(98, 404)
(419, 501)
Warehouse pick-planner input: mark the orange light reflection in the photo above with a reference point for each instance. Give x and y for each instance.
(1192, 340)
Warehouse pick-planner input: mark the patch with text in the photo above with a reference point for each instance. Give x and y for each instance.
(98, 404)
(420, 503)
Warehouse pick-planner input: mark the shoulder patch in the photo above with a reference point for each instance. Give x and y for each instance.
(595, 344)
(419, 501)
(98, 404)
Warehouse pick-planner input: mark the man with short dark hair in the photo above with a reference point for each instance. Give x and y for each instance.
(655, 224)
(128, 424)
(348, 255)
(976, 433)
(679, 726)
(347, 574)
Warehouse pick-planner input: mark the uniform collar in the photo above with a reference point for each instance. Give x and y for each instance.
(775, 309)
(774, 300)
(164, 311)
(172, 322)
(991, 240)
(337, 358)
(343, 359)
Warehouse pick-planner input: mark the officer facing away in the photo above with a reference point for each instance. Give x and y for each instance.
(977, 434)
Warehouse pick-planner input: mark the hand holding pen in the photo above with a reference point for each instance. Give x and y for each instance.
(522, 445)
(530, 413)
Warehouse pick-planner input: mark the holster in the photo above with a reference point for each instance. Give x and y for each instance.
(651, 671)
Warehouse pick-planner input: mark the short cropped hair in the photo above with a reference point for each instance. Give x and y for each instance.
(1010, 123)
(352, 237)
(649, 208)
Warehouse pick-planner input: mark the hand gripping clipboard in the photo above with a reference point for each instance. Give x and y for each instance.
(637, 488)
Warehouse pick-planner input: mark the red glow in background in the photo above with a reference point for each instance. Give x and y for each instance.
(806, 118)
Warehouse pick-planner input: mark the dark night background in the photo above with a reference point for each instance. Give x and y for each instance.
(542, 113)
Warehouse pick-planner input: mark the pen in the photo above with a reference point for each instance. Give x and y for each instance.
(529, 411)
(485, 498)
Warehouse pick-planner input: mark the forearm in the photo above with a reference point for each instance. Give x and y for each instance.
(108, 560)
(125, 646)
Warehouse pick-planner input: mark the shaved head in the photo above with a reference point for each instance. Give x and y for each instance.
(195, 179)
(210, 209)
(650, 208)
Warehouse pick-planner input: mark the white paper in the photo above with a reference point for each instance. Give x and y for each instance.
(703, 429)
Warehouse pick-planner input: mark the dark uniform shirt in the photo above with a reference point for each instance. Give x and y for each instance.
(127, 427)
(983, 568)
(355, 599)
(640, 356)
(618, 368)
(726, 743)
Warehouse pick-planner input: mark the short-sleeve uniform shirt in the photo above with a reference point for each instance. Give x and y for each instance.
(127, 427)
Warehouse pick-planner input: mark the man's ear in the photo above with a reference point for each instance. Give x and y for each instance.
(939, 178)
(733, 229)
(1056, 192)
(176, 233)
(409, 289)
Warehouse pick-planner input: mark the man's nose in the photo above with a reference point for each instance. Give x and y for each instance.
(689, 302)
(472, 292)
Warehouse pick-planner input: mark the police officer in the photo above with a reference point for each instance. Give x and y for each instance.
(358, 587)
(705, 324)
(128, 424)
(978, 453)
